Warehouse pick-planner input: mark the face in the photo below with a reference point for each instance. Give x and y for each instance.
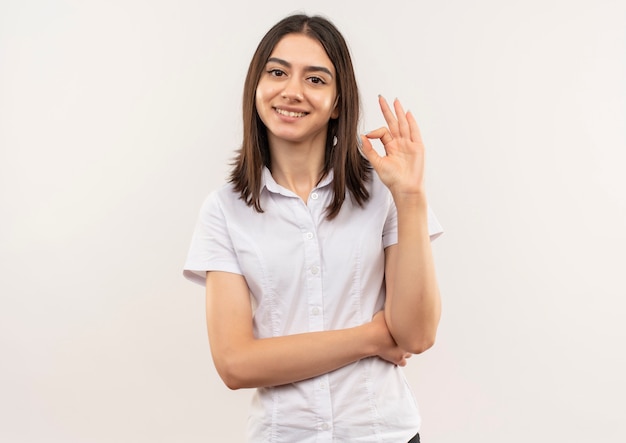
(297, 93)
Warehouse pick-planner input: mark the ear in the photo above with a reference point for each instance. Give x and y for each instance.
(335, 113)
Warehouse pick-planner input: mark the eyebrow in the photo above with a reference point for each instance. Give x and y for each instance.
(285, 63)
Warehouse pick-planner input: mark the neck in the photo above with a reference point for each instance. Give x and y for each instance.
(297, 167)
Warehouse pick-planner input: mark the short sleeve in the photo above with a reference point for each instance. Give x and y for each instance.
(211, 247)
(390, 229)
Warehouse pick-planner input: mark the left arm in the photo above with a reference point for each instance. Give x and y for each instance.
(413, 304)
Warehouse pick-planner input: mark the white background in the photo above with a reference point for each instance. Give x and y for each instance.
(118, 117)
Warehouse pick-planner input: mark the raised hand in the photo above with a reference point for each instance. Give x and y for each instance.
(402, 168)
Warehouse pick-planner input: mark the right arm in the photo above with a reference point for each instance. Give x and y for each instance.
(243, 361)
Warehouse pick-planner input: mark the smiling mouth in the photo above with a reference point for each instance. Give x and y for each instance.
(290, 113)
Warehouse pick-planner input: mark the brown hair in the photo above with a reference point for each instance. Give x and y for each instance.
(350, 169)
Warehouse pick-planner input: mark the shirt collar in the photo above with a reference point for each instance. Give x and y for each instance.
(268, 182)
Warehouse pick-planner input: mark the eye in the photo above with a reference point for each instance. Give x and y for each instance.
(276, 72)
(317, 80)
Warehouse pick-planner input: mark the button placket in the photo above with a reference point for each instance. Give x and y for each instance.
(312, 259)
(313, 285)
(315, 299)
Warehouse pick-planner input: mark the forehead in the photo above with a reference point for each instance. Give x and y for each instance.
(299, 49)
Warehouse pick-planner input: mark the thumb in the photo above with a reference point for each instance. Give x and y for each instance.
(368, 150)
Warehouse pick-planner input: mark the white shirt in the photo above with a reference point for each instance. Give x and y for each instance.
(307, 274)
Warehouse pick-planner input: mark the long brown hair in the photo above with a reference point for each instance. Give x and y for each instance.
(350, 170)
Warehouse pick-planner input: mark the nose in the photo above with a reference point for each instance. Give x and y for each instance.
(292, 90)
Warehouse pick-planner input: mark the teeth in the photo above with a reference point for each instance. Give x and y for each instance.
(290, 114)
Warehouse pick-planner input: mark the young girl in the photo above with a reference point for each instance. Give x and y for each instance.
(319, 274)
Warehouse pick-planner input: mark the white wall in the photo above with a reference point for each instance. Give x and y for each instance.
(118, 117)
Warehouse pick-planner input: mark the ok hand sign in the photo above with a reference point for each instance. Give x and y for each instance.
(402, 168)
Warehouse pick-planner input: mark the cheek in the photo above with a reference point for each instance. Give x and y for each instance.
(258, 97)
(328, 103)
(259, 101)
(266, 89)
(264, 94)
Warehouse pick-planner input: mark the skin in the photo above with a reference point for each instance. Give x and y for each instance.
(413, 303)
(300, 78)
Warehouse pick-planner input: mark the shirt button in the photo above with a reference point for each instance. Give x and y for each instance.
(314, 196)
(315, 311)
(308, 235)
(314, 270)
(322, 385)
(325, 426)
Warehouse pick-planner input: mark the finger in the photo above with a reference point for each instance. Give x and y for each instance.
(403, 124)
(382, 134)
(391, 120)
(416, 135)
(368, 151)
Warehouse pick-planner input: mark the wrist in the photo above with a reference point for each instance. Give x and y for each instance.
(371, 344)
(409, 199)
(411, 207)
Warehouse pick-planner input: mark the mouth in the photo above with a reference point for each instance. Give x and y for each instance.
(290, 113)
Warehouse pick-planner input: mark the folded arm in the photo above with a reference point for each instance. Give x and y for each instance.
(413, 305)
(243, 361)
